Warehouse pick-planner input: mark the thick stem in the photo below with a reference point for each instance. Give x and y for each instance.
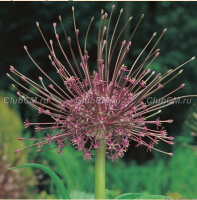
(100, 172)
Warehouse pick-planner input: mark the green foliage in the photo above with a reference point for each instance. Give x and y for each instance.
(183, 171)
(174, 179)
(75, 194)
(188, 136)
(153, 197)
(15, 184)
(110, 194)
(130, 196)
(72, 169)
(55, 178)
(44, 195)
(140, 196)
(10, 127)
(156, 177)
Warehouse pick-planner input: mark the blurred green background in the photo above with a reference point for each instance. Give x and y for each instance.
(138, 171)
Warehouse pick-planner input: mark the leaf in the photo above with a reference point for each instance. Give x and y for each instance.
(129, 196)
(153, 197)
(110, 194)
(55, 178)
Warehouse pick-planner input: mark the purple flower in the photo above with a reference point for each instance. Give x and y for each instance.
(94, 107)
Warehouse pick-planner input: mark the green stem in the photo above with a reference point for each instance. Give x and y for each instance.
(100, 172)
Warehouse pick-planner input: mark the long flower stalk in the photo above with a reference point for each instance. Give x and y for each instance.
(100, 172)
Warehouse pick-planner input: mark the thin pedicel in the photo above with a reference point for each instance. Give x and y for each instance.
(122, 116)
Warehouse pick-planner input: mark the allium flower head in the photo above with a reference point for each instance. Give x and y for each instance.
(98, 107)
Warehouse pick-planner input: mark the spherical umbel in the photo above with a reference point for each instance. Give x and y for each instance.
(95, 108)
